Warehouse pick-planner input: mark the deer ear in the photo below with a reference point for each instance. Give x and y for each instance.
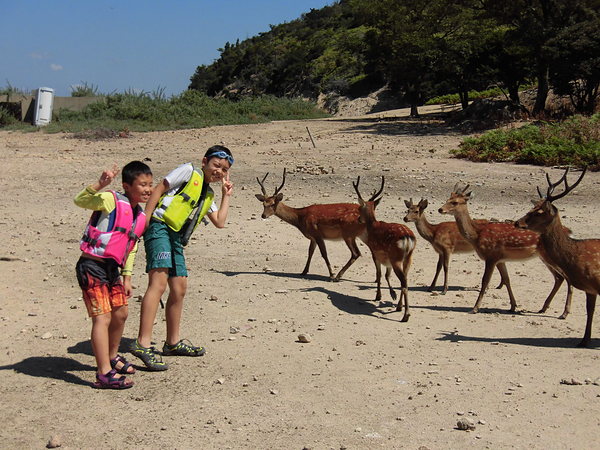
(279, 197)
(423, 204)
(407, 203)
(260, 197)
(376, 202)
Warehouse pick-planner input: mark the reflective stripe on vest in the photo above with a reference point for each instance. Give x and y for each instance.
(117, 242)
(174, 210)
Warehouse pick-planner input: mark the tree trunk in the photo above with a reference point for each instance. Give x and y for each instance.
(513, 93)
(414, 109)
(464, 98)
(542, 90)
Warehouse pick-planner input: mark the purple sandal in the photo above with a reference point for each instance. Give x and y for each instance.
(124, 370)
(111, 381)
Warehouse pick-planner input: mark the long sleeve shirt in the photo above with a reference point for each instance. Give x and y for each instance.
(104, 202)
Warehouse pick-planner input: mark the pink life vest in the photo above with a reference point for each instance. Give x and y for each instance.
(117, 242)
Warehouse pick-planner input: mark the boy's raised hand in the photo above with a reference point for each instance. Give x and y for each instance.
(108, 176)
(226, 186)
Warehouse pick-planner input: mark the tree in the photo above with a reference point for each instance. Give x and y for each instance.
(576, 71)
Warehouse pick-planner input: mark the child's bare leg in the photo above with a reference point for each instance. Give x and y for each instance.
(157, 284)
(99, 338)
(174, 308)
(115, 329)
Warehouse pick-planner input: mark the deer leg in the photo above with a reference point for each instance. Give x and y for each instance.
(351, 243)
(438, 268)
(506, 280)
(404, 292)
(311, 250)
(568, 302)
(590, 306)
(485, 280)
(323, 250)
(501, 284)
(377, 279)
(446, 264)
(558, 279)
(388, 271)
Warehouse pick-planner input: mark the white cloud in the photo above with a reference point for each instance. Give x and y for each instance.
(56, 67)
(37, 55)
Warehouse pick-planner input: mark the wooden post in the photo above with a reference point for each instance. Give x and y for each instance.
(311, 138)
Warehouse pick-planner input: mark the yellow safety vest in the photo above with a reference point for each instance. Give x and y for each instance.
(174, 210)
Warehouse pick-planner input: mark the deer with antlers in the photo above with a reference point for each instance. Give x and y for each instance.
(578, 260)
(391, 244)
(495, 243)
(335, 221)
(444, 237)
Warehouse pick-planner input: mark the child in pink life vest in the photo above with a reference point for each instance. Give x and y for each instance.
(108, 247)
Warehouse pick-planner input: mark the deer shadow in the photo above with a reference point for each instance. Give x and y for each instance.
(530, 342)
(297, 276)
(56, 367)
(357, 306)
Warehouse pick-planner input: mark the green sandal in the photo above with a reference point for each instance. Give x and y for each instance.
(182, 348)
(149, 356)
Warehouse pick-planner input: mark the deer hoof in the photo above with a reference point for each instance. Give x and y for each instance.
(405, 318)
(474, 311)
(563, 316)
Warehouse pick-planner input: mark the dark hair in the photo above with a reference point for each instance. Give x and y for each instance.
(133, 170)
(210, 153)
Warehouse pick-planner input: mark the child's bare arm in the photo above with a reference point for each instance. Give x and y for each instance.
(157, 192)
(219, 218)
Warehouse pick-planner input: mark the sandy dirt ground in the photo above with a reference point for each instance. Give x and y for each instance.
(366, 380)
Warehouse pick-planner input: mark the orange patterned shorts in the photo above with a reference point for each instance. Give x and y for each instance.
(101, 285)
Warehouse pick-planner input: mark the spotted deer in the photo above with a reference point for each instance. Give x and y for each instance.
(444, 237)
(318, 223)
(578, 260)
(496, 243)
(391, 244)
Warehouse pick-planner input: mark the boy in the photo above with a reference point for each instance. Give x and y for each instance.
(171, 220)
(108, 247)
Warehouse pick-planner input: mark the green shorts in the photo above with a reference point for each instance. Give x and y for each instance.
(164, 250)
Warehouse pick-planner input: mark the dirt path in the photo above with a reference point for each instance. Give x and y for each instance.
(366, 380)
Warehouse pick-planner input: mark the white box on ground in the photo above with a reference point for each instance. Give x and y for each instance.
(44, 100)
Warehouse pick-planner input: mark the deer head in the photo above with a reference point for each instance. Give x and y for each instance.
(458, 199)
(544, 212)
(367, 208)
(414, 211)
(270, 203)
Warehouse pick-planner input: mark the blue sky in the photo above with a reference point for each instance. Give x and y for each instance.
(118, 45)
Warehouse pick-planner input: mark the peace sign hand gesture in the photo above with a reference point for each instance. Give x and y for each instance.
(226, 186)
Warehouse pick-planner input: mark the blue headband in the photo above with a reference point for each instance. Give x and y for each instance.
(221, 154)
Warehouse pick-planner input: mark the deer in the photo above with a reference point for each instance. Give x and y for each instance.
(444, 237)
(320, 222)
(495, 243)
(391, 244)
(578, 260)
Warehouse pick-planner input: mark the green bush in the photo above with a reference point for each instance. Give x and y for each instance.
(6, 117)
(192, 109)
(575, 142)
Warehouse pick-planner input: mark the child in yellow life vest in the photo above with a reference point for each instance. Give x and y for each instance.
(108, 248)
(177, 205)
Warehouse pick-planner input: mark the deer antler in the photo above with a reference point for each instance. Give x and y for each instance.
(356, 188)
(376, 194)
(261, 183)
(282, 183)
(551, 186)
